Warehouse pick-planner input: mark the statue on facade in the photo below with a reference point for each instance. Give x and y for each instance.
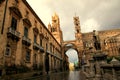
(96, 40)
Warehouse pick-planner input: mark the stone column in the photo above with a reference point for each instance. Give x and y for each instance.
(44, 72)
(97, 76)
(114, 75)
(91, 68)
(97, 67)
(50, 66)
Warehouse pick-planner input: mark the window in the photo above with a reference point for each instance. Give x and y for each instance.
(35, 38)
(46, 46)
(27, 13)
(25, 31)
(53, 29)
(119, 50)
(40, 41)
(50, 47)
(14, 23)
(35, 58)
(27, 56)
(7, 51)
(41, 29)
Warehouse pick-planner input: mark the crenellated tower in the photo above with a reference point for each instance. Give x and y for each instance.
(78, 34)
(55, 28)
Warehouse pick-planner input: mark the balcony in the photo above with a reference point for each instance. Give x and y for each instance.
(36, 46)
(41, 49)
(13, 34)
(48, 52)
(26, 41)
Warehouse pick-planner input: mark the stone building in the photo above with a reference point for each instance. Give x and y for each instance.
(84, 42)
(25, 41)
(112, 45)
(109, 45)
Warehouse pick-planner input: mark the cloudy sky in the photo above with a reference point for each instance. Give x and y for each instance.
(72, 54)
(93, 14)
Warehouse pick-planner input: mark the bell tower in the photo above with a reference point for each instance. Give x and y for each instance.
(78, 34)
(55, 28)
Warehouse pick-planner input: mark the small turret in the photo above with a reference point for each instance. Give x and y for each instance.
(49, 27)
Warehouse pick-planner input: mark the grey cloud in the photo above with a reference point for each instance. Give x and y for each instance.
(105, 12)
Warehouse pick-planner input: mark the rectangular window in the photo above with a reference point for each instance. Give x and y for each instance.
(27, 56)
(35, 39)
(25, 32)
(40, 41)
(7, 51)
(50, 47)
(14, 23)
(46, 46)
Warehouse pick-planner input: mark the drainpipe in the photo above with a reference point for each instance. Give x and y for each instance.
(4, 17)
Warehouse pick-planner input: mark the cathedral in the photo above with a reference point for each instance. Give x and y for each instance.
(27, 44)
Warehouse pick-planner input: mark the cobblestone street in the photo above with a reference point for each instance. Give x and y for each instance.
(72, 75)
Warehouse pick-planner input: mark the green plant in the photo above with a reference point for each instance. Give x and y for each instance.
(109, 59)
(117, 57)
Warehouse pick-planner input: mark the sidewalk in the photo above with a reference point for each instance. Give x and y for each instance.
(86, 76)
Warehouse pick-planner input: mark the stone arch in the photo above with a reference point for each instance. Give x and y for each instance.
(72, 46)
(67, 47)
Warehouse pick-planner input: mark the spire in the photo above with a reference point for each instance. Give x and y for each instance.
(55, 28)
(55, 15)
(77, 24)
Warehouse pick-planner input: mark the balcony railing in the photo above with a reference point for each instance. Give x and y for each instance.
(13, 33)
(41, 49)
(48, 52)
(36, 46)
(26, 41)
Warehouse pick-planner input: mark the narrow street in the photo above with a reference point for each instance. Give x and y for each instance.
(72, 75)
